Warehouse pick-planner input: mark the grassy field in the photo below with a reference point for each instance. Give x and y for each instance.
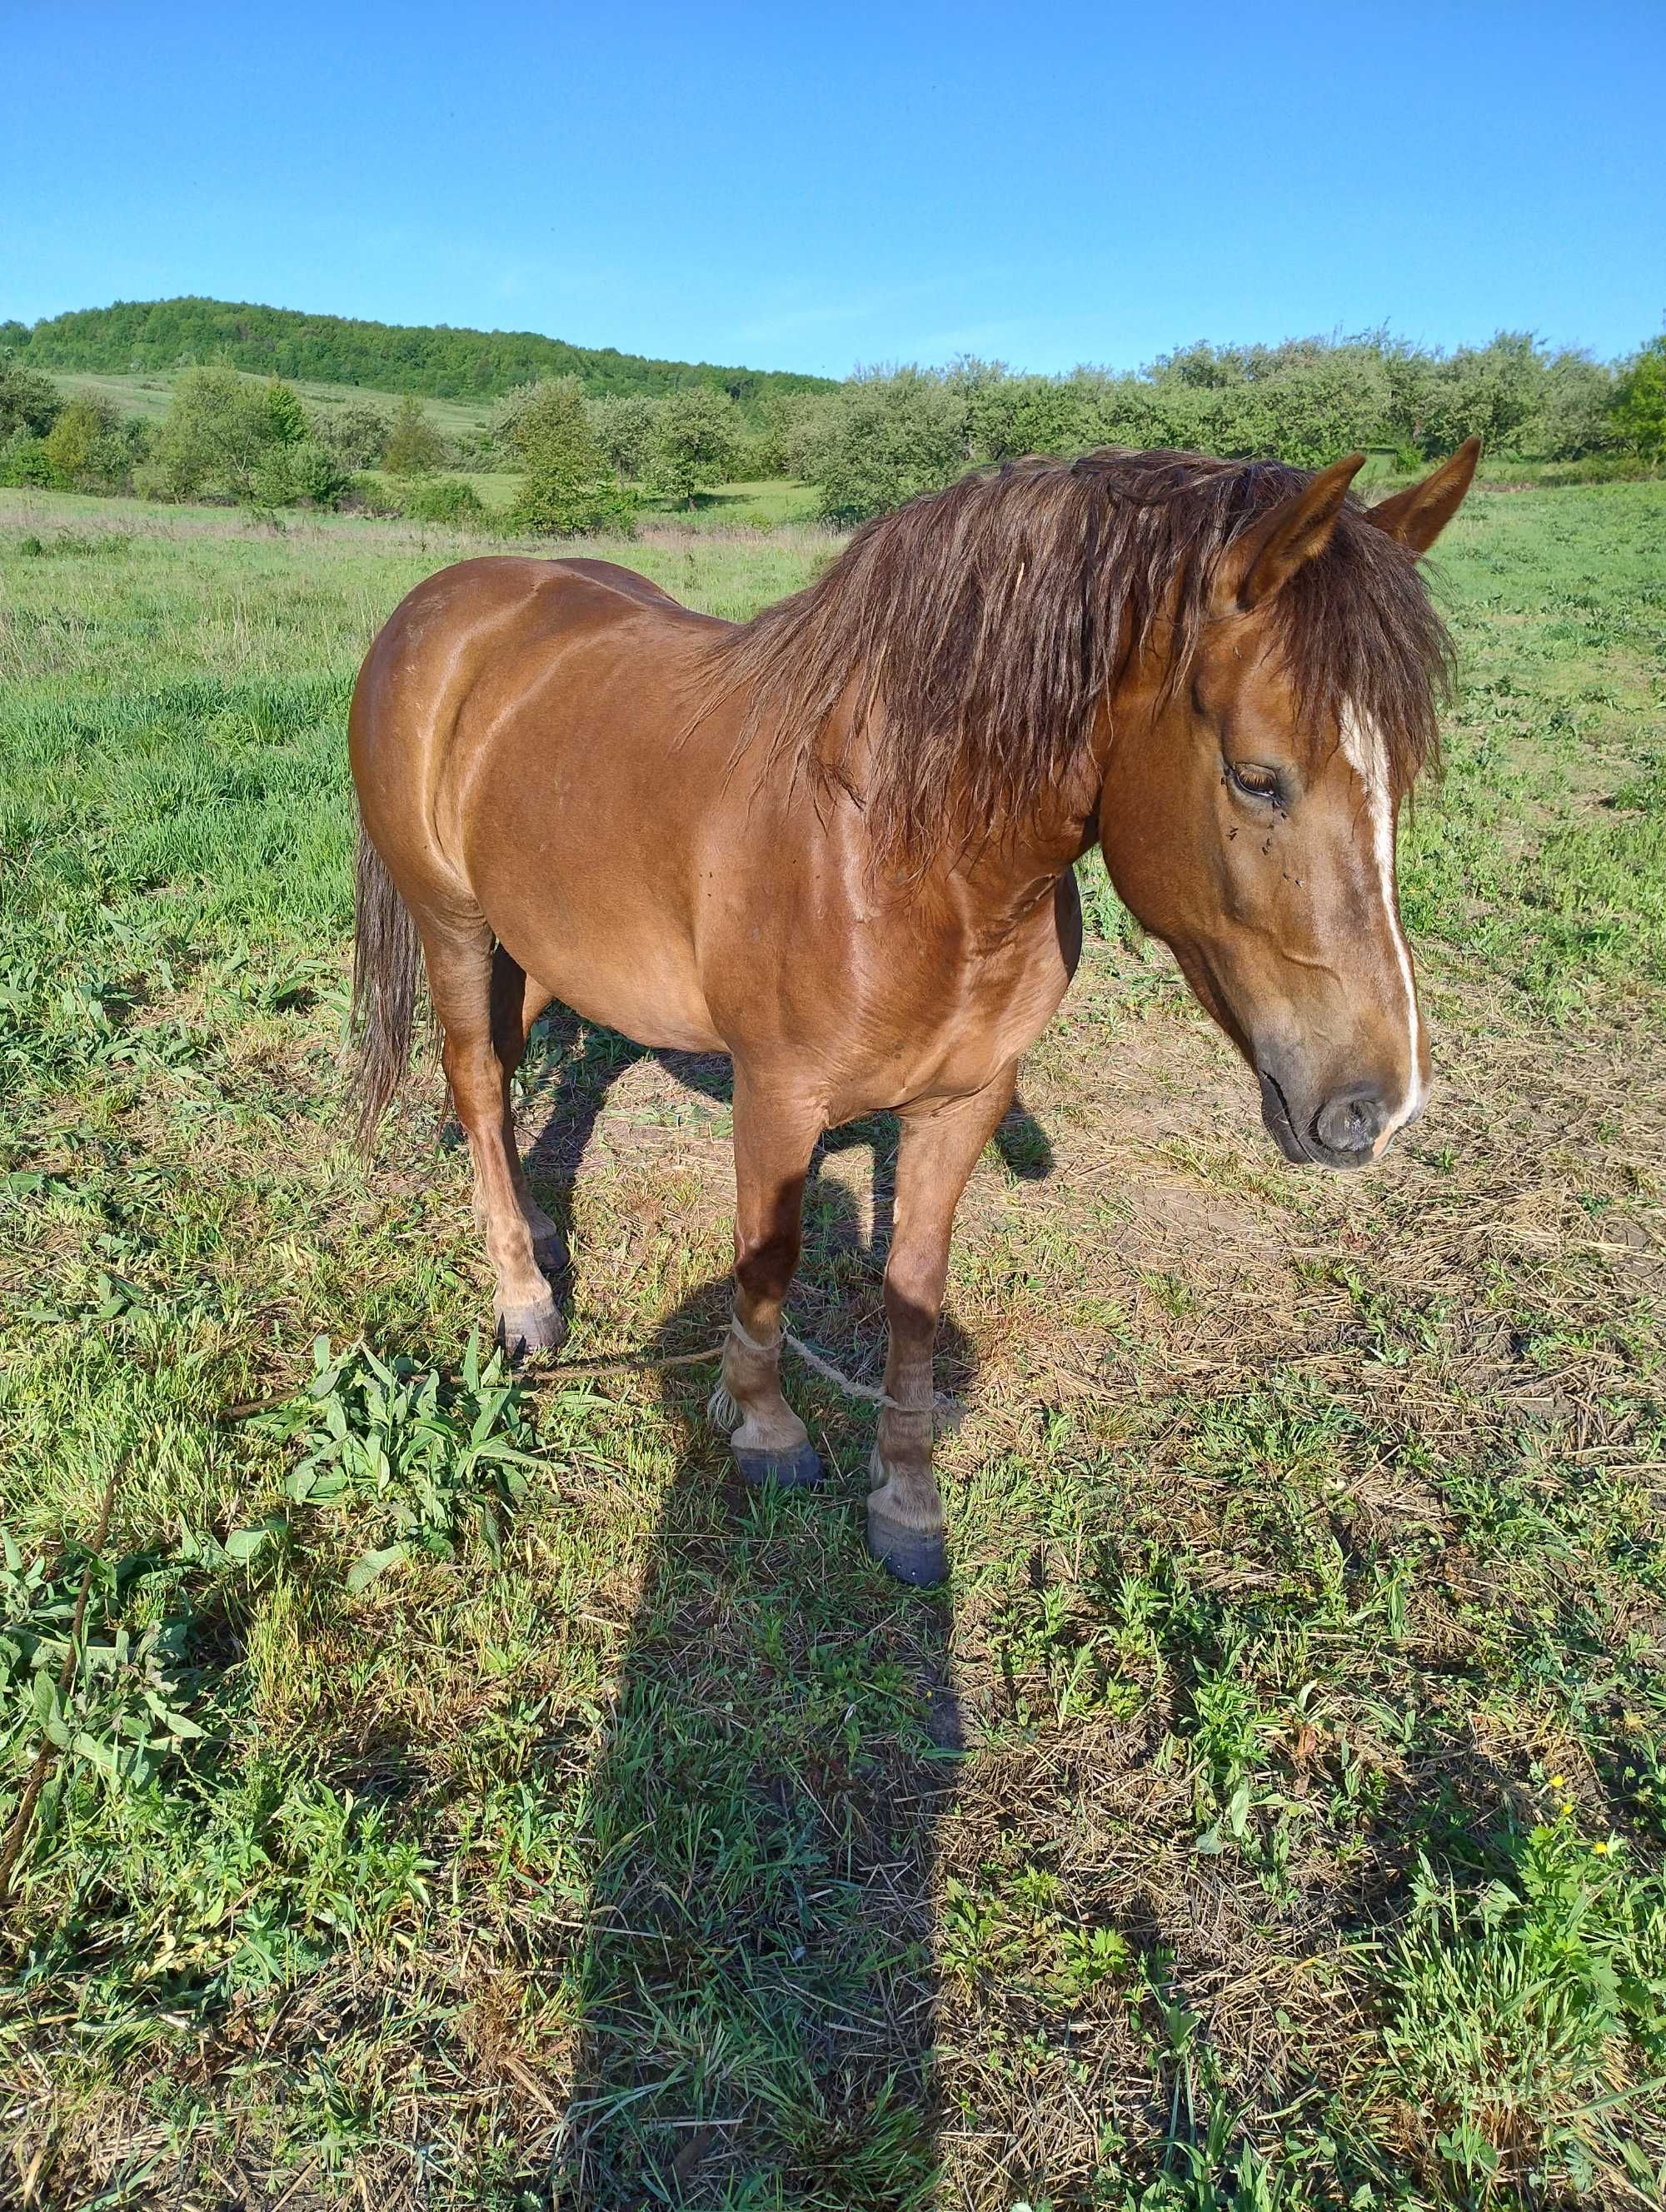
(464, 1795)
(150, 393)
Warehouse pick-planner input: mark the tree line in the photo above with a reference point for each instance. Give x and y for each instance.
(884, 436)
(584, 463)
(433, 360)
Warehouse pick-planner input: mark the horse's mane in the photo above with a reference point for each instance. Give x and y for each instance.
(971, 635)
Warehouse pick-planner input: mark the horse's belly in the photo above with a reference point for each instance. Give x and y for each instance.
(615, 961)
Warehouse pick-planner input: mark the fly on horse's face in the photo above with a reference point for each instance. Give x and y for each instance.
(1273, 877)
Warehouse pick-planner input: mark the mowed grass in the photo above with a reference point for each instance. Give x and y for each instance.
(464, 1795)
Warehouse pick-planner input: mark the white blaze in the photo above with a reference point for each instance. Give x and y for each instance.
(1366, 754)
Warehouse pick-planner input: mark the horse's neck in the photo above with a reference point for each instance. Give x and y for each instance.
(1006, 876)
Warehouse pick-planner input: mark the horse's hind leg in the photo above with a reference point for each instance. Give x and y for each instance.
(481, 1009)
(938, 1151)
(517, 999)
(774, 1135)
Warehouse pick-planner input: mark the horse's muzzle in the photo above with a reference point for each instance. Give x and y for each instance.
(1346, 1132)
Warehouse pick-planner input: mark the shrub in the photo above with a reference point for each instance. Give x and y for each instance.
(110, 465)
(23, 462)
(895, 436)
(696, 442)
(88, 449)
(442, 499)
(808, 424)
(372, 495)
(356, 434)
(1575, 410)
(1639, 403)
(1319, 409)
(1491, 392)
(624, 429)
(285, 412)
(28, 401)
(1010, 415)
(218, 437)
(1306, 401)
(504, 430)
(415, 447)
(318, 475)
(566, 487)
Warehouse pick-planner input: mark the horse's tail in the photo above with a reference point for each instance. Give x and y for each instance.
(387, 972)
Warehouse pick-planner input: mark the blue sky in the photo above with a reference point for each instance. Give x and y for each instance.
(813, 187)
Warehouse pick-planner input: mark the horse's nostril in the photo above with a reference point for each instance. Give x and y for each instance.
(1351, 1123)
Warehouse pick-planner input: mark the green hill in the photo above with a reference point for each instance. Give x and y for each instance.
(134, 336)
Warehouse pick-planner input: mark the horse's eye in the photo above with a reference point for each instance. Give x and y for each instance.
(1253, 780)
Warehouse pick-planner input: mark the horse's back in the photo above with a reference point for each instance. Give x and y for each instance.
(476, 646)
(494, 598)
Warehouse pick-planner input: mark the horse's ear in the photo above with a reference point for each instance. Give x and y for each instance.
(1417, 516)
(1261, 559)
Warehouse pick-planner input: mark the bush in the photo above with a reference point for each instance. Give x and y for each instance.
(880, 439)
(624, 429)
(356, 434)
(1010, 416)
(71, 441)
(285, 412)
(511, 411)
(29, 402)
(318, 474)
(1306, 402)
(442, 499)
(88, 448)
(23, 462)
(1575, 410)
(894, 436)
(567, 487)
(807, 423)
(1491, 392)
(696, 442)
(1639, 407)
(415, 447)
(372, 495)
(218, 436)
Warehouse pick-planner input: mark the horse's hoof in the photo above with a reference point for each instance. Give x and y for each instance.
(524, 1330)
(791, 1470)
(916, 1556)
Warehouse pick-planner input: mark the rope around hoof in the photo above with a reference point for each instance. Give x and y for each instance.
(950, 1410)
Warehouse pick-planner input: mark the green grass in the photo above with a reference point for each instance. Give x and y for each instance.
(149, 394)
(464, 1795)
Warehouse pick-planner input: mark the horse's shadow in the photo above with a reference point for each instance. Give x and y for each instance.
(572, 1065)
(756, 1990)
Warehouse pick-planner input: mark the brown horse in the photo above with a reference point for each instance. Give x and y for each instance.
(836, 843)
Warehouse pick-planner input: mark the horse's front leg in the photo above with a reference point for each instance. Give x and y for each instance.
(938, 1150)
(774, 1135)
